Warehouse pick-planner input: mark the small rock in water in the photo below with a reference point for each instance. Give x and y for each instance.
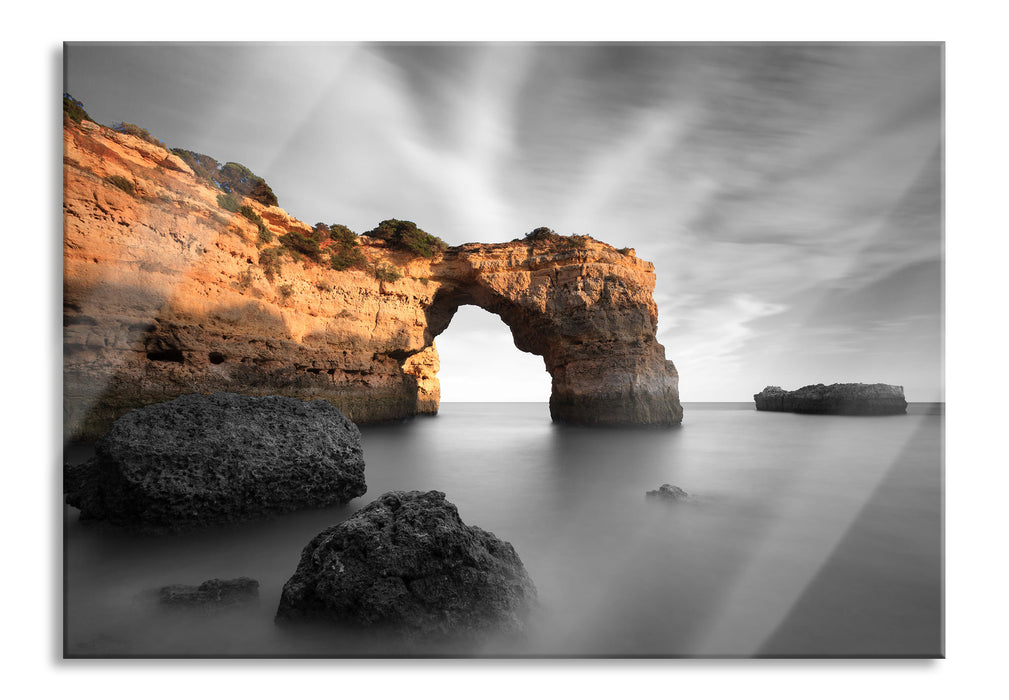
(215, 593)
(407, 563)
(668, 492)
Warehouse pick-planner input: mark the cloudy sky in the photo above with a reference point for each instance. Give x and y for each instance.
(789, 195)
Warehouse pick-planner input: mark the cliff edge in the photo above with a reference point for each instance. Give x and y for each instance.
(172, 287)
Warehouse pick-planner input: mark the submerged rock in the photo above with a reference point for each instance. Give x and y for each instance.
(840, 399)
(668, 492)
(199, 460)
(215, 593)
(407, 563)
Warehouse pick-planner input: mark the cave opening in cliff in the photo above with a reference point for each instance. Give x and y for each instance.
(480, 363)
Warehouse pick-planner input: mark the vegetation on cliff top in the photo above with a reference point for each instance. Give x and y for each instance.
(335, 244)
(74, 109)
(139, 132)
(405, 234)
(548, 235)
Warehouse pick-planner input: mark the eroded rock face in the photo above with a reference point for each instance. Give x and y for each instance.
(201, 460)
(406, 563)
(164, 295)
(840, 399)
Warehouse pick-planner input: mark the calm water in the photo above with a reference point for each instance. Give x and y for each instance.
(808, 535)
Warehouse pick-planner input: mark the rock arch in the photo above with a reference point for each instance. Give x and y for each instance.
(587, 312)
(166, 296)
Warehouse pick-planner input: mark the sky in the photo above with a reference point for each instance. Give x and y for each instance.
(790, 195)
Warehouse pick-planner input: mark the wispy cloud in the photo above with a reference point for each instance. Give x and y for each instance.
(773, 186)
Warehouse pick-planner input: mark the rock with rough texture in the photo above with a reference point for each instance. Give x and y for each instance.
(165, 294)
(839, 399)
(407, 563)
(668, 492)
(213, 594)
(199, 460)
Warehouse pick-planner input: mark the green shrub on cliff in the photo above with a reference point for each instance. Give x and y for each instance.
(140, 132)
(74, 109)
(204, 166)
(385, 273)
(250, 214)
(235, 177)
(265, 234)
(344, 251)
(269, 260)
(303, 244)
(229, 201)
(230, 177)
(122, 183)
(548, 235)
(342, 234)
(405, 234)
(346, 258)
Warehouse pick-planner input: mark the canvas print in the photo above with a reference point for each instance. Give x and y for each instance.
(503, 350)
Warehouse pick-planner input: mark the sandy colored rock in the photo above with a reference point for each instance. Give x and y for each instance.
(164, 295)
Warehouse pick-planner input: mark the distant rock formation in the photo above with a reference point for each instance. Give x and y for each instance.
(210, 595)
(199, 460)
(168, 293)
(668, 492)
(406, 563)
(839, 399)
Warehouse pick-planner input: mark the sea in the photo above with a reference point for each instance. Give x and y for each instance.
(804, 536)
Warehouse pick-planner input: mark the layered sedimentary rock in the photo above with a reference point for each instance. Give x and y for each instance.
(407, 563)
(201, 460)
(165, 294)
(839, 399)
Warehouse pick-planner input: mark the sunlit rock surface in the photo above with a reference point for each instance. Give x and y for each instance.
(406, 563)
(202, 460)
(840, 399)
(164, 295)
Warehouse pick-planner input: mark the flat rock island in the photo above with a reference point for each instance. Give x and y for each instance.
(836, 399)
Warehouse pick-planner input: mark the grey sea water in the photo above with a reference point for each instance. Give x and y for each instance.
(805, 536)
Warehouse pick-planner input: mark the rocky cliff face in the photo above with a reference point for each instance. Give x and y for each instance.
(164, 294)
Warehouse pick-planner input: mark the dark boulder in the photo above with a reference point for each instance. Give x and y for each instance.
(209, 595)
(407, 563)
(668, 492)
(838, 399)
(199, 460)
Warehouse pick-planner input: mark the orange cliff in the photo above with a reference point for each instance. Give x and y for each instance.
(164, 294)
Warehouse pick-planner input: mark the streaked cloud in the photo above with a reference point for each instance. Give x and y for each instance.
(789, 195)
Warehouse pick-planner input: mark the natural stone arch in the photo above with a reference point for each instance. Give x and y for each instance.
(162, 299)
(595, 332)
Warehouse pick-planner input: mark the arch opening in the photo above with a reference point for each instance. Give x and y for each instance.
(480, 361)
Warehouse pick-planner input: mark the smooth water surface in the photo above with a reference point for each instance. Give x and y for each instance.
(806, 536)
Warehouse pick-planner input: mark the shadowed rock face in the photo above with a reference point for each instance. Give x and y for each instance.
(840, 399)
(164, 295)
(406, 563)
(200, 460)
